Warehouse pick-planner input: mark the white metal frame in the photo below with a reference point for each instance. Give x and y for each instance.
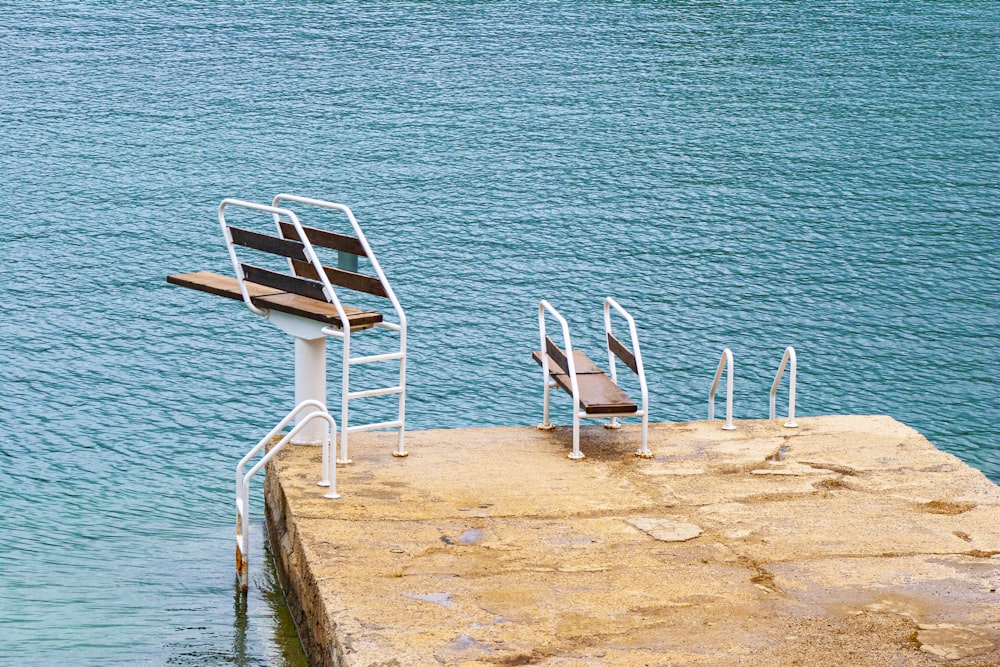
(787, 357)
(725, 363)
(328, 476)
(548, 383)
(344, 335)
(310, 346)
(640, 371)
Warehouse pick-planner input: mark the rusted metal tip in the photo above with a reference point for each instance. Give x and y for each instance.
(241, 569)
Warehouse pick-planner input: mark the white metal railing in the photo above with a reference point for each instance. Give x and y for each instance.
(328, 477)
(344, 335)
(230, 246)
(549, 383)
(610, 303)
(578, 414)
(787, 358)
(725, 363)
(310, 369)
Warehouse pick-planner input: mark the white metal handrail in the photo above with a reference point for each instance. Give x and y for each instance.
(237, 265)
(549, 383)
(789, 358)
(328, 477)
(610, 303)
(310, 253)
(725, 363)
(344, 334)
(361, 237)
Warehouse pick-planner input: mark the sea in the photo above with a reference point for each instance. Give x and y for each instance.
(745, 175)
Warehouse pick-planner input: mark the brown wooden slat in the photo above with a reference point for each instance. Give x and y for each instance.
(619, 350)
(355, 281)
(213, 283)
(556, 354)
(598, 394)
(284, 282)
(268, 243)
(321, 311)
(263, 296)
(325, 239)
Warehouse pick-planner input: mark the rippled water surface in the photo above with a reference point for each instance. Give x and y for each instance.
(751, 175)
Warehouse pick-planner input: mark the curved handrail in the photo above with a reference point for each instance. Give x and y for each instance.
(610, 303)
(788, 356)
(543, 307)
(284, 197)
(328, 476)
(237, 266)
(726, 362)
(345, 332)
(276, 211)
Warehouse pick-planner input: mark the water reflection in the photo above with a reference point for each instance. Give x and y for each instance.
(286, 638)
(266, 588)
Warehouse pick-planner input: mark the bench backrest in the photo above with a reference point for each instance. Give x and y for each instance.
(620, 350)
(341, 243)
(305, 281)
(556, 354)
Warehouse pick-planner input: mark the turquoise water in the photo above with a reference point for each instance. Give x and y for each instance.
(750, 175)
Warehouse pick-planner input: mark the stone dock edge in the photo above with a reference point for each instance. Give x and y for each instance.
(847, 540)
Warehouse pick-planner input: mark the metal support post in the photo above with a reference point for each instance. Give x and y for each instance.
(310, 384)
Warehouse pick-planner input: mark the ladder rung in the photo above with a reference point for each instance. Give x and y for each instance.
(389, 356)
(374, 392)
(374, 427)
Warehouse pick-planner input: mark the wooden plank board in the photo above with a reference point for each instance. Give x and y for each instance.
(325, 239)
(349, 279)
(321, 311)
(581, 362)
(263, 296)
(622, 352)
(284, 282)
(598, 394)
(213, 283)
(267, 243)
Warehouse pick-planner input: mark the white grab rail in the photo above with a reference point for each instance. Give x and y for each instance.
(328, 475)
(789, 356)
(726, 362)
(237, 265)
(344, 334)
(544, 307)
(610, 303)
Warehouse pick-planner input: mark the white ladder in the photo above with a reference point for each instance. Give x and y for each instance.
(347, 395)
(328, 476)
(348, 262)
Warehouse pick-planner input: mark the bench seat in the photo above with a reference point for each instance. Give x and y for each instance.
(598, 394)
(275, 299)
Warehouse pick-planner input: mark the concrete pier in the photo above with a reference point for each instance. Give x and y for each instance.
(850, 540)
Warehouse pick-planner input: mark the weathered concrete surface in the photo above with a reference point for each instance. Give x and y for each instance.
(864, 545)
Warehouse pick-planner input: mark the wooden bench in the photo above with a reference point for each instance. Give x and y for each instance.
(302, 297)
(269, 298)
(596, 395)
(298, 293)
